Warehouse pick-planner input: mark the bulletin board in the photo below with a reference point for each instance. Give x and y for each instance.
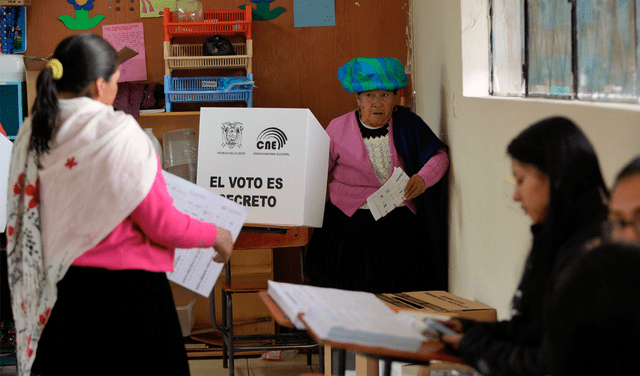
(294, 67)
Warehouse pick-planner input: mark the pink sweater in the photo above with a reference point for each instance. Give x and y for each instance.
(353, 177)
(147, 238)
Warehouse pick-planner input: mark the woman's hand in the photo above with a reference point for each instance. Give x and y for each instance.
(223, 246)
(415, 187)
(454, 340)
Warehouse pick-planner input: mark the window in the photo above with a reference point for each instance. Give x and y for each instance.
(567, 49)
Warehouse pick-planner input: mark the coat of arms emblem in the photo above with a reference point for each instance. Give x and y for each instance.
(232, 134)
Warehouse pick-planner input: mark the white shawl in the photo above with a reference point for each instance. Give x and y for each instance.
(100, 166)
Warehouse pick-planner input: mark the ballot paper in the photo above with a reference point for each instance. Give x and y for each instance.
(194, 268)
(390, 195)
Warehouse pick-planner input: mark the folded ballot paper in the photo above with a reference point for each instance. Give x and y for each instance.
(352, 317)
(194, 268)
(390, 195)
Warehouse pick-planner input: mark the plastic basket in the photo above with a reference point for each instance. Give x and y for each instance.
(208, 89)
(189, 56)
(222, 22)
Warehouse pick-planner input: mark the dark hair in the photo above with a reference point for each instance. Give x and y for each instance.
(558, 148)
(84, 58)
(632, 168)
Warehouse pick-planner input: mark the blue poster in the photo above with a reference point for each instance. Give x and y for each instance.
(309, 13)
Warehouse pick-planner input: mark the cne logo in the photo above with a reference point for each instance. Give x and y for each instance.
(271, 139)
(232, 134)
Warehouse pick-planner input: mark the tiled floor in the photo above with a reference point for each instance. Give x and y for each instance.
(253, 367)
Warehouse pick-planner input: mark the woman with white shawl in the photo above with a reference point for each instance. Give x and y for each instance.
(92, 229)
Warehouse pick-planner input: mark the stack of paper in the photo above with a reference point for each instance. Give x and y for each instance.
(353, 317)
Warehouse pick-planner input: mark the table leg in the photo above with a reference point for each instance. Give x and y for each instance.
(342, 361)
(387, 367)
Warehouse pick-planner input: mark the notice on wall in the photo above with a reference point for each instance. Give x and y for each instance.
(314, 13)
(154, 8)
(130, 35)
(194, 268)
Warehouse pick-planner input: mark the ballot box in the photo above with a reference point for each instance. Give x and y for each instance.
(272, 160)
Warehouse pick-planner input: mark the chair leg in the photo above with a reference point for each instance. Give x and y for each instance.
(230, 332)
(321, 357)
(225, 332)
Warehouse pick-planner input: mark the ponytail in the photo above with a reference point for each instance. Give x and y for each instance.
(45, 112)
(85, 57)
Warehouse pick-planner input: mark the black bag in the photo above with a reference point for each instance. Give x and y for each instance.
(217, 45)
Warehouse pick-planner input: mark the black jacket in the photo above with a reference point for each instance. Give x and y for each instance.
(513, 347)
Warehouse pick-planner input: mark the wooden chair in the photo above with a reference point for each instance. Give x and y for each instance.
(256, 237)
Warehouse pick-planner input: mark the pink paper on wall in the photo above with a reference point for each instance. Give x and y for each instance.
(132, 36)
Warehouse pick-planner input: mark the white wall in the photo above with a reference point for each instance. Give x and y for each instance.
(489, 239)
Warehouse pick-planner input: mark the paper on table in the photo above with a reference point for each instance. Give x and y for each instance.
(294, 299)
(195, 268)
(389, 196)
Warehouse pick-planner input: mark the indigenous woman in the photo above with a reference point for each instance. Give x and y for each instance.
(403, 250)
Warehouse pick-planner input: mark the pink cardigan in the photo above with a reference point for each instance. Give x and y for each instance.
(147, 238)
(353, 177)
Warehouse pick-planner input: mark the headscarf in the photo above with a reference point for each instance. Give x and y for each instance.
(100, 167)
(371, 73)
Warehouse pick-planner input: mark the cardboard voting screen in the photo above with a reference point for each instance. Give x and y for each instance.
(272, 160)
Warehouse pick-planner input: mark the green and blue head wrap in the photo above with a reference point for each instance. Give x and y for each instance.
(371, 73)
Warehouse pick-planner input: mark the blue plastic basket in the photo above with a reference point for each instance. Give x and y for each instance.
(208, 89)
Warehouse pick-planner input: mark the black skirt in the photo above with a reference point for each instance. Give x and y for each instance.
(112, 323)
(362, 254)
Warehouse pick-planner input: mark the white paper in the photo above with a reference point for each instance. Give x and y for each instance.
(194, 268)
(375, 328)
(294, 299)
(389, 196)
(5, 161)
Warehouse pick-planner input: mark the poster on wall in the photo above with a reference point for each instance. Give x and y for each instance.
(153, 8)
(314, 13)
(130, 35)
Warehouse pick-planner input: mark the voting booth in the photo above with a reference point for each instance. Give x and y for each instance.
(272, 160)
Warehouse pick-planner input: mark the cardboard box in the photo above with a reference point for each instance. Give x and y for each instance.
(34, 65)
(272, 160)
(440, 302)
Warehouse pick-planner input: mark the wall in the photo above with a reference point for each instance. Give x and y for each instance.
(293, 67)
(489, 239)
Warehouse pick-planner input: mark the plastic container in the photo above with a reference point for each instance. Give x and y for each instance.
(181, 153)
(13, 93)
(189, 11)
(208, 89)
(189, 56)
(222, 22)
(155, 142)
(184, 300)
(12, 68)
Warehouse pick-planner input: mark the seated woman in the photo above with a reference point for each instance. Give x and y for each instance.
(401, 251)
(560, 187)
(624, 205)
(594, 315)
